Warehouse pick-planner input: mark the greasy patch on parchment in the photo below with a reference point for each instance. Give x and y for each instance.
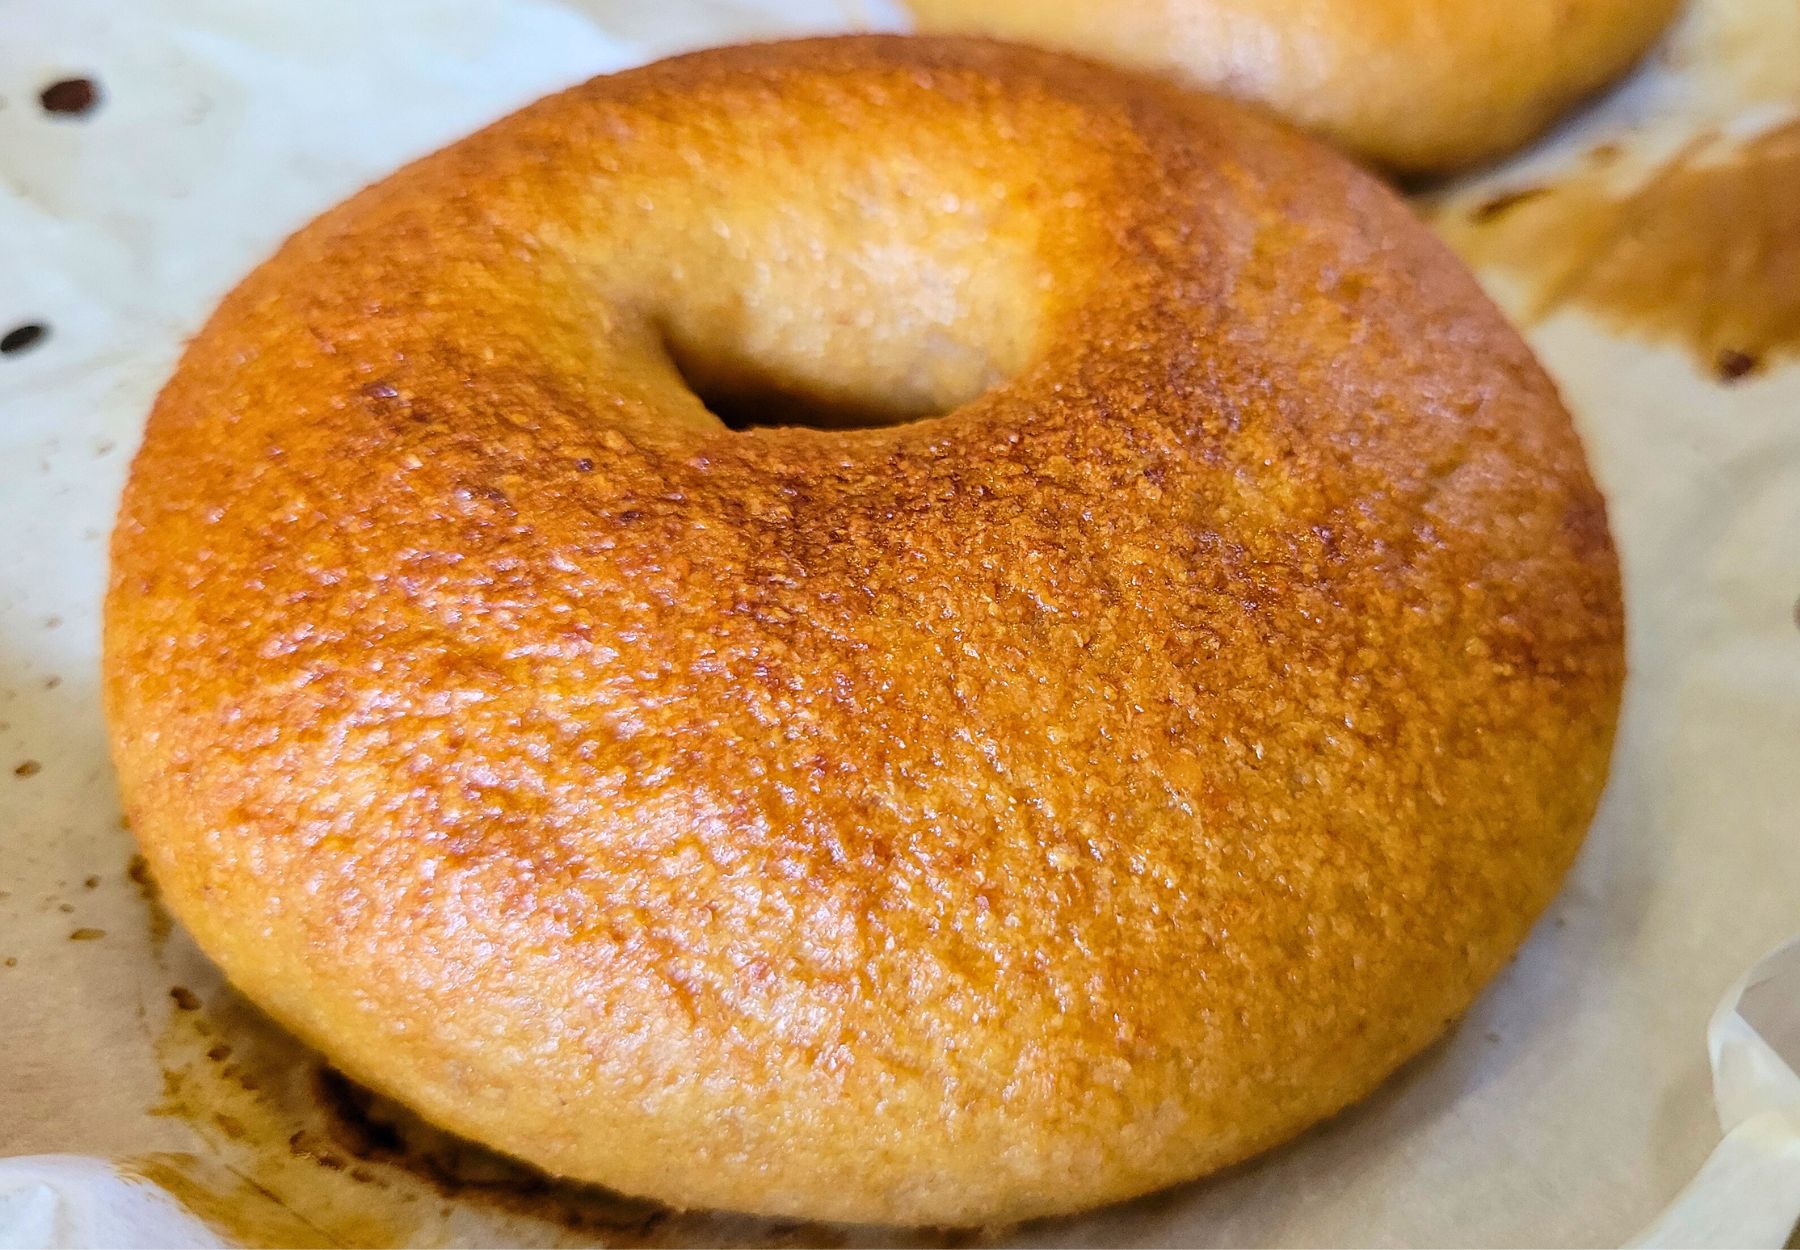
(1703, 251)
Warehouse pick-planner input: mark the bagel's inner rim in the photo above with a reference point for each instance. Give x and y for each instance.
(784, 274)
(920, 309)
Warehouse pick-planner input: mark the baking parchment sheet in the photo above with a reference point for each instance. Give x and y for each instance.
(1571, 1105)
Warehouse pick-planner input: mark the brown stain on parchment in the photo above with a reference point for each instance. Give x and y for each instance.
(1704, 251)
(240, 1085)
(229, 1203)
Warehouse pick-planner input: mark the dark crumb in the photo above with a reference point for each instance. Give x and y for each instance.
(92, 883)
(219, 1053)
(1730, 364)
(70, 97)
(53, 622)
(87, 935)
(52, 682)
(362, 1174)
(10, 961)
(185, 998)
(1602, 153)
(233, 1127)
(139, 871)
(28, 768)
(1487, 210)
(67, 909)
(19, 338)
(1493, 1037)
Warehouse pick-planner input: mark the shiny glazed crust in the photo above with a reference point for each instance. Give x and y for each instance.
(1414, 85)
(959, 820)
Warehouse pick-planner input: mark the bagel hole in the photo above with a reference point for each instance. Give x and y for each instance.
(835, 316)
(744, 396)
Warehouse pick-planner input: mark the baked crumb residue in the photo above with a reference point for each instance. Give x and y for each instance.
(70, 97)
(155, 915)
(1704, 251)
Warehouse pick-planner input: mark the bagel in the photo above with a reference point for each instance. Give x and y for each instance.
(1417, 86)
(1140, 657)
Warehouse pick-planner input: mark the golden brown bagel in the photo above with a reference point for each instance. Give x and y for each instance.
(954, 820)
(1414, 85)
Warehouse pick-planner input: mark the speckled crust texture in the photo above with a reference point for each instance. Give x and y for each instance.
(957, 820)
(1420, 86)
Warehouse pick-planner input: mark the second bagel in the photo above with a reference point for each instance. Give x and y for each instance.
(1416, 86)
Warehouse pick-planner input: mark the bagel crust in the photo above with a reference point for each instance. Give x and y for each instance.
(1418, 86)
(950, 820)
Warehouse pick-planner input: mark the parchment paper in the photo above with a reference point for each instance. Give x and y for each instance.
(1571, 1105)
